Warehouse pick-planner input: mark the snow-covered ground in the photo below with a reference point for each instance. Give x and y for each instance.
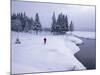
(85, 34)
(74, 39)
(32, 55)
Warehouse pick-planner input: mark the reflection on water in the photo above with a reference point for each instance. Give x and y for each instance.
(87, 53)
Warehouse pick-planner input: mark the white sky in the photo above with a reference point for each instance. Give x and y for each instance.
(83, 17)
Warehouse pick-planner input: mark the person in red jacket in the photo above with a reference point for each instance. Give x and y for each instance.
(45, 40)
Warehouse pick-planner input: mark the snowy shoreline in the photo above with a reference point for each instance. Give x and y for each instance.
(85, 34)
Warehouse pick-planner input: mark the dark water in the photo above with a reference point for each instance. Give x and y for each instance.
(87, 53)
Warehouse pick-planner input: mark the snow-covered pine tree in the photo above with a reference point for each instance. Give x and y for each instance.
(71, 26)
(66, 23)
(37, 24)
(53, 25)
(32, 23)
(58, 25)
(27, 26)
(63, 29)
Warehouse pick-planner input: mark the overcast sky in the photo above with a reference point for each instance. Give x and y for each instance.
(83, 17)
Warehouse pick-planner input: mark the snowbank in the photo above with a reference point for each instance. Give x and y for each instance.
(33, 56)
(74, 39)
(84, 34)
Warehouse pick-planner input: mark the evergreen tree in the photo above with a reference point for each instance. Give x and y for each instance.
(37, 24)
(58, 25)
(62, 25)
(66, 23)
(53, 28)
(28, 25)
(26, 28)
(71, 26)
(32, 23)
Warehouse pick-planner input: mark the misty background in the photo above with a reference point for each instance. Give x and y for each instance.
(83, 17)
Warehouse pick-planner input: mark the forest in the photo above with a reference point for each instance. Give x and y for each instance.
(20, 22)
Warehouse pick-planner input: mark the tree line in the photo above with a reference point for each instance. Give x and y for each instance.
(21, 22)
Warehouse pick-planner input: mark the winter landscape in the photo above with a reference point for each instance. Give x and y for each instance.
(47, 37)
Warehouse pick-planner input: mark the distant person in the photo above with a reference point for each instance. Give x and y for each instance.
(45, 40)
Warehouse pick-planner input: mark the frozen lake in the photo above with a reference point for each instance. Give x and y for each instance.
(87, 53)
